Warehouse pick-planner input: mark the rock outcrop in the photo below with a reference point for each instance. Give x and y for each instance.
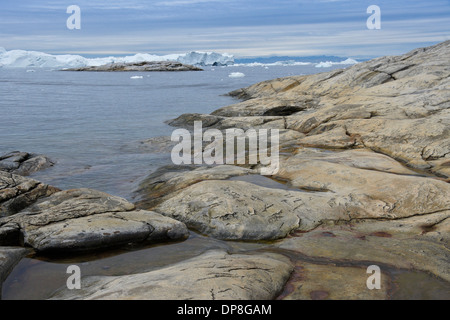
(24, 163)
(215, 275)
(76, 220)
(144, 66)
(18, 192)
(363, 180)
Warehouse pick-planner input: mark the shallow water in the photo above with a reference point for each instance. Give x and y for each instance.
(39, 277)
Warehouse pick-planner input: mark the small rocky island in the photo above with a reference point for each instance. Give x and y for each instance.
(363, 180)
(144, 66)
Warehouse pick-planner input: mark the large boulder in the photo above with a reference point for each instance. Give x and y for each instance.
(215, 275)
(85, 219)
(24, 163)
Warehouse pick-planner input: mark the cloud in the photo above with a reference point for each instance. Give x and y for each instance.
(185, 2)
(264, 27)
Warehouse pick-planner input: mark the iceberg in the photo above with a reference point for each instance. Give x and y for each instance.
(325, 64)
(328, 64)
(206, 59)
(35, 59)
(287, 63)
(236, 75)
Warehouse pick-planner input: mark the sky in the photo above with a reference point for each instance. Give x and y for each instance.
(242, 28)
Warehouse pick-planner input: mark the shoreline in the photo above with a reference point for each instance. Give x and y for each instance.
(362, 204)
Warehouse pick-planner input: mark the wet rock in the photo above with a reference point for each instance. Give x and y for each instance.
(24, 163)
(84, 219)
(9, 257)
(210, 121)
(419, 242)
(214, 275)
(330, 282)
(264, 107)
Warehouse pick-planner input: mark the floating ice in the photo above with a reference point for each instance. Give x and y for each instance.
(136, 77)
(35, 59)
(206, 58)
(272, 64)
(328, 64)
(236, 75)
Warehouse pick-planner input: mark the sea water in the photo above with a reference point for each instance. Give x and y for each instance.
(89, 122)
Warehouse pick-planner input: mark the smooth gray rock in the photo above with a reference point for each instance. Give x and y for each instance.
(85, 219)
(235, 210)
(214, 275)
(165, 181)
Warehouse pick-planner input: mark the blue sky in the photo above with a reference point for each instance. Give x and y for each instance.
(242, 28)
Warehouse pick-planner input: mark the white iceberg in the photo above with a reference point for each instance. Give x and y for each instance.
(328, 64)
(272, 64)
(136, 77)
(35, 59)
(236, 75)
(349, 61)
(325, 64)
(206, 59)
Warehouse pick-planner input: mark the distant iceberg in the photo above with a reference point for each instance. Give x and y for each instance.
(328, 64)
(236, 75)
(35, 59)
(272, 64)
(206, 59)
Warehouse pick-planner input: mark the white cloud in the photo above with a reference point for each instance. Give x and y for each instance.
(302, 39)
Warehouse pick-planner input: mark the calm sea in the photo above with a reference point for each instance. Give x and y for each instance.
(89, 122)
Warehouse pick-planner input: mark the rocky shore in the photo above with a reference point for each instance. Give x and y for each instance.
(363, 180)
(145, 66)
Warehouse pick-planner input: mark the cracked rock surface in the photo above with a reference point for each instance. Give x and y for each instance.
(18, 192)
(24, 163)
(365, 179)
(82, 220)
